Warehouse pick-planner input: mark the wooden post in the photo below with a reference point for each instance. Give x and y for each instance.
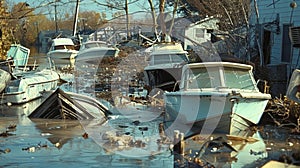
(181, 143)
(176, 148)
(161, 130)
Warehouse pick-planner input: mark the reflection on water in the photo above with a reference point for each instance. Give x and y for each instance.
(63, 144)
(37, 142)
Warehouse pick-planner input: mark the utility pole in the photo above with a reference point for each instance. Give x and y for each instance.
(76, 18)
(55, 17)
(127, 20)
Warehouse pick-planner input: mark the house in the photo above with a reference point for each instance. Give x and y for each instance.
(271, 22)
(194, 33)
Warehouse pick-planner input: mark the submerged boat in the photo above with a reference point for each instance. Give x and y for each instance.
(69, 105)
(62, 51)
(215, 97)
(165, 64)
(293, 90)
(30, 85)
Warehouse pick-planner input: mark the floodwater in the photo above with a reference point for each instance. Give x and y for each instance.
(130, 138)
(61, 143)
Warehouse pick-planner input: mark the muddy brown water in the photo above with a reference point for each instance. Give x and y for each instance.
(60, 143)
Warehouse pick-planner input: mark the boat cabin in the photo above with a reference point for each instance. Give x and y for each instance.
(222, 75)
(62, 43)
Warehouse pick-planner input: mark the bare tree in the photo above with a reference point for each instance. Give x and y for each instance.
(153, 17)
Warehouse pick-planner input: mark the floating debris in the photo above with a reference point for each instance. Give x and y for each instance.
(7, 150)
(85, 135)
(12, 126)
(32, 149)
(6, 134)
(136, 122)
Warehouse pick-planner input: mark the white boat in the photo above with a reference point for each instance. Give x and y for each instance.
(165, 64)
(96, 49)
(62, 51)
(215, 97)
(29, 86)
(293, 90)
(5, 78)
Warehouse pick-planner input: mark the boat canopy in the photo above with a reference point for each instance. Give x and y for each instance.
(19, 54)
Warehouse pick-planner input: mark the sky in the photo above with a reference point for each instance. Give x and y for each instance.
(85, 5)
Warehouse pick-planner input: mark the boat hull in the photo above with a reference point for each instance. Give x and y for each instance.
(5, 78)
(30, 87)
(208, 113)
(63, 57)
(97, 52)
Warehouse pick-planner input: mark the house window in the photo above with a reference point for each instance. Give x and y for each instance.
(199, 33)
(267, 47)
(286, 44)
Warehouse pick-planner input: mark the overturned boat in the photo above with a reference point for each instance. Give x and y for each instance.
(215, 97)
(69, 105)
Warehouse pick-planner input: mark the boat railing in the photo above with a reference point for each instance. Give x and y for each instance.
(266, 87)
(177, 83)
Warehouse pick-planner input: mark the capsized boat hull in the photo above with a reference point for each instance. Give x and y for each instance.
(69, 105)
(30, 86)
(218, 112)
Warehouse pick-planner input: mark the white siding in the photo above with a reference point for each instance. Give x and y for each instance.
(190, 32)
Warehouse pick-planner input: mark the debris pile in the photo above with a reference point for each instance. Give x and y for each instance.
(283, 113)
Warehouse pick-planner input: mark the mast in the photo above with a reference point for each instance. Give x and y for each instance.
(76, 17)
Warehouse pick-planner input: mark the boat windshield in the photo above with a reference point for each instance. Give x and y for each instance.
(168, 58)
(61, 47)
(213, 77)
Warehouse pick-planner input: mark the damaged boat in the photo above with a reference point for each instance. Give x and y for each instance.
(215, 97)
(165, 64)
(69, 105)
(17, 57)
